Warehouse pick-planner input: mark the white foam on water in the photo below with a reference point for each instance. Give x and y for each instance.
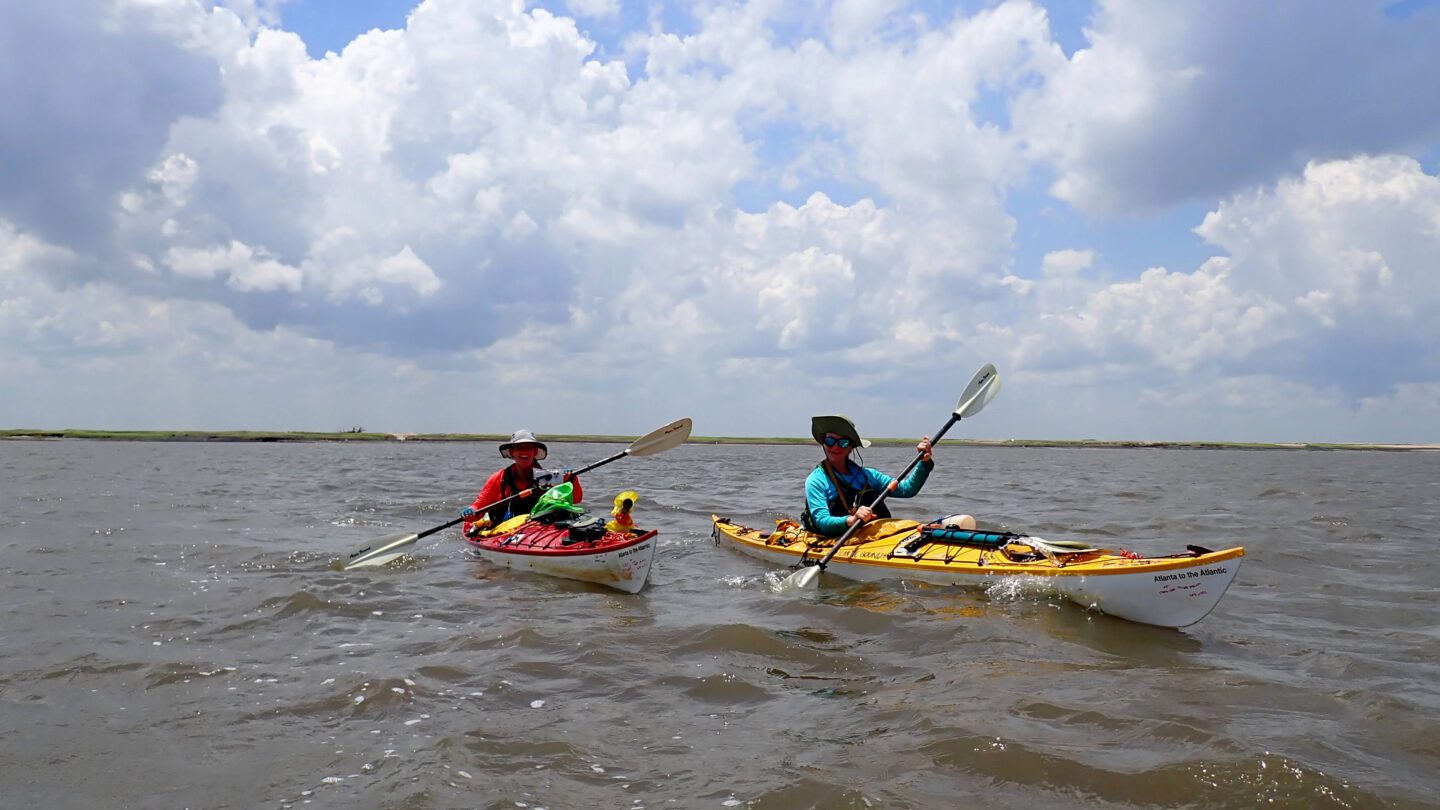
(1016, 588)
(535, 704)
(776, 579)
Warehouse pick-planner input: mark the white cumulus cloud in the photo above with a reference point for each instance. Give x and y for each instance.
(827, 202)
(1193, 99)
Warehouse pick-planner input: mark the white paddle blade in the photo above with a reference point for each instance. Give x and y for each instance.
(1058, 546)
(806, 579)
(979, 392)
(661, 439)
(381, 551)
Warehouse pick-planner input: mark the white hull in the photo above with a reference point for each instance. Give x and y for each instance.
(624, 569)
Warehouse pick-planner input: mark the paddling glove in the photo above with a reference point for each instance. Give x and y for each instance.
(467, 512)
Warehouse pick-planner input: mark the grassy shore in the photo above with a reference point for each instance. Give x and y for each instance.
(352, 436)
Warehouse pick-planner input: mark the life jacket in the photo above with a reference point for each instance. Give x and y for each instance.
(845, 496)
(510, 485)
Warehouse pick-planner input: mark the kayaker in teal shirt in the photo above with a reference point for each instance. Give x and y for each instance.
(840, 491)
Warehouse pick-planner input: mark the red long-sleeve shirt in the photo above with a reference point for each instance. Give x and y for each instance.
(495, 489)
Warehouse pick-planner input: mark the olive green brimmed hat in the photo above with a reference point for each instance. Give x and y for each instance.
(840, 425)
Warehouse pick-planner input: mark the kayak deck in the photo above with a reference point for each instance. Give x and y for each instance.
(1174, 590)
(619, 560)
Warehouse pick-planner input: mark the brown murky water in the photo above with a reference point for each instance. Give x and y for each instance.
(175, 634)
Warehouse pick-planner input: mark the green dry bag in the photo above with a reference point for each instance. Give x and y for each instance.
(557, 498)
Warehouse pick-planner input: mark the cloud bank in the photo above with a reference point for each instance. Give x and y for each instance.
(486, 219)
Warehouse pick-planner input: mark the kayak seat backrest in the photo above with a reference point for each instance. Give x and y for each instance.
(558, 518)
(585, 530)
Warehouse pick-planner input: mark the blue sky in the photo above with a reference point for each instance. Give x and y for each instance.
(1185, 221)
(330, 25)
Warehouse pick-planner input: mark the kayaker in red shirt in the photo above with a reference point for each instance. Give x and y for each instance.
(525, 451)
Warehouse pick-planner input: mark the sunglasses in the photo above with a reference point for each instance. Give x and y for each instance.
(831, 441)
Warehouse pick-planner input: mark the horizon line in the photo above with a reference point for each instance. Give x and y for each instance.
(358, 435)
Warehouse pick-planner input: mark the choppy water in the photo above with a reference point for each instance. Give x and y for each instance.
(175, 634)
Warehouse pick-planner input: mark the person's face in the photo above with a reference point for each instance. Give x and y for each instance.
(524, 454)
(837, 447)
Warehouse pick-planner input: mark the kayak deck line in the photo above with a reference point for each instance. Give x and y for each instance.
(1174, 590)
(1105, 562)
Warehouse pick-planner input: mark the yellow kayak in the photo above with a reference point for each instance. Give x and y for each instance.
(1170, 591)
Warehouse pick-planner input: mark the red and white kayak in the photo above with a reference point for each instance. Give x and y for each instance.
(620, 560)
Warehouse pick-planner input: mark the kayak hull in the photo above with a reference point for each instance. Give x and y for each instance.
(1170, 591)
(617, 560)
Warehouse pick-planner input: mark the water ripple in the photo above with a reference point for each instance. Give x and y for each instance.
(174, 609)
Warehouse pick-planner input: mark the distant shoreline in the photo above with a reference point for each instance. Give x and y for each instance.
(352, 436)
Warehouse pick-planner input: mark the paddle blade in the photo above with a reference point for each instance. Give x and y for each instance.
(381, 551)
(979, 392)
(806, 579)
(1058, 546)
(661, 439)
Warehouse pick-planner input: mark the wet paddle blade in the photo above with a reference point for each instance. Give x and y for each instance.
(381, 551)
(979, 392)
(806, 579)
(661, 439)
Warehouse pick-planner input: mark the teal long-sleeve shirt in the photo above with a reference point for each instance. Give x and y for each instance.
(820, 492)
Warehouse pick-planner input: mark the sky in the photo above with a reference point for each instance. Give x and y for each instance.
(1200, 220)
